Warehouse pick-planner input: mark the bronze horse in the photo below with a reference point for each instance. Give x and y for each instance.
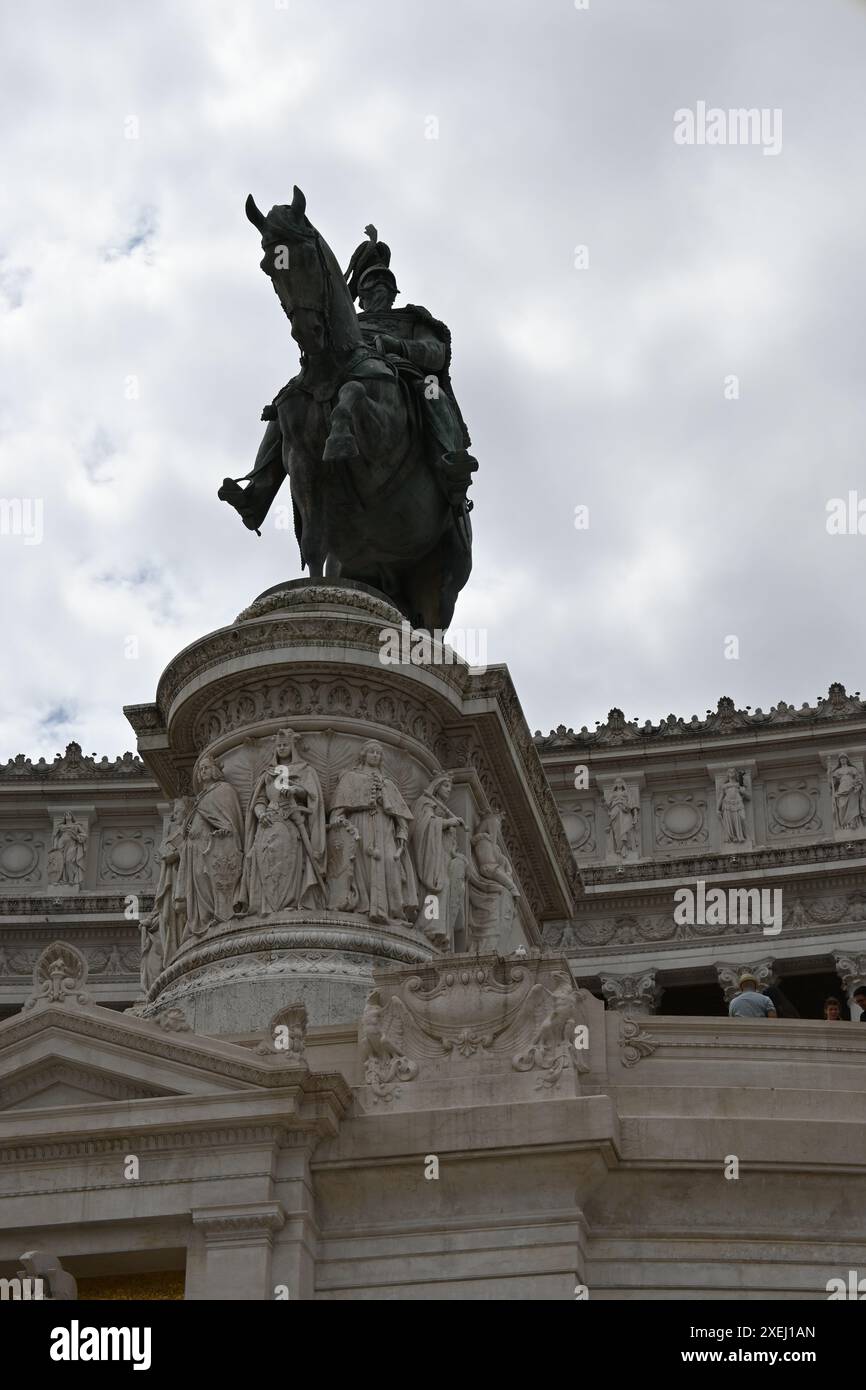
(369, 490)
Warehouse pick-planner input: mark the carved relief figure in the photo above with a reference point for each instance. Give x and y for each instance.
(152, 950)
(440, 867)
(342, 849)
(492, 890)
(557, 1013)
(380, 1034)
(285, 834)
(731, 807)
(849, 804)
(211, 857)
(369, 801)
(168, 908)
(623, 821)
(286, 1036)
(66, 859)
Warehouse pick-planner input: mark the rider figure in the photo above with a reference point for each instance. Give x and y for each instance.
(419, 346)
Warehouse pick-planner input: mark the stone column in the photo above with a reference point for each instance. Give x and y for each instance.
(293, 1270)
(634, 994)
(852, 972)
(729, 975)
(232, 1259)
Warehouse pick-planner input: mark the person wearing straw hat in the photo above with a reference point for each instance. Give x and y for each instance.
(750, 1003)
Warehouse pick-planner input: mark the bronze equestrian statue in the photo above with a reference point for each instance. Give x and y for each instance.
(368, 432)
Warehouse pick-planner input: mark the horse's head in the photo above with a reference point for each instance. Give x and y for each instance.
(305, 274)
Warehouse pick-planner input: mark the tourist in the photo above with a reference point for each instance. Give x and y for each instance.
(832, 1010)
(750, 1003)
(860, 1001)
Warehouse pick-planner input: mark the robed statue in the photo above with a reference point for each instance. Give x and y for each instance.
(368, 432)
(493, 892)
(169, 909)
(441, 868)
(211, 851)
(370, 802)
(285, 834)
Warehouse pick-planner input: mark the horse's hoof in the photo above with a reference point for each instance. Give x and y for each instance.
(340, 448)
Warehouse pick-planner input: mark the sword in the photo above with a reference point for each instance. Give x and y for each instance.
(298, 820)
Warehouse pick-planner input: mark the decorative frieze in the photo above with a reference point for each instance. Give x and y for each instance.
(126, 855)
(472, 1017)
(793, 807)
(680, 820)
(579, 823)
(618, 929)
(22, 859)
(59, 977)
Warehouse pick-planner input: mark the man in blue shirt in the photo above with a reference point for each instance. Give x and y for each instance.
(750, 1003)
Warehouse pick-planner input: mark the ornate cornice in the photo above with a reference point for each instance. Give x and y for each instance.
(301, 593)
(187, 1049)
(72, 766)
(40, 1077)
(533, 768)
(309, 617)
(239, 1223)
(836, 707)
(205, 1137)
(81, 904)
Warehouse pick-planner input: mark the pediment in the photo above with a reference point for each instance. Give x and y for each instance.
(65, 1056)
(58, 1082)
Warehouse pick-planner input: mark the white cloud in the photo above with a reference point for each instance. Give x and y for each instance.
(131, 259)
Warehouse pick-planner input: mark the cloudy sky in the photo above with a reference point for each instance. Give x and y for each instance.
(139, 339)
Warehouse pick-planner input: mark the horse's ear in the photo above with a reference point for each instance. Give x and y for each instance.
(257, 218)
(299, 202)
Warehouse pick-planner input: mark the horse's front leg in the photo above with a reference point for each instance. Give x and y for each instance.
(341, 445)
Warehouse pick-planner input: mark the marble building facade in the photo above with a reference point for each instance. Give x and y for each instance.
(622, 939)
(388, 999)
(799, 829)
